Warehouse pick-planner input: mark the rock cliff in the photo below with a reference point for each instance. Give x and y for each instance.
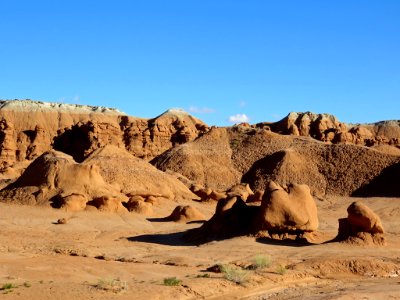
(29, 128)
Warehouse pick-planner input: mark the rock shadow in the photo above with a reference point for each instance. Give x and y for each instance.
(168, 239)
(386, 184)
(300, 242)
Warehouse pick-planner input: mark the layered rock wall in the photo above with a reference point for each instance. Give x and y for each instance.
(29, 128)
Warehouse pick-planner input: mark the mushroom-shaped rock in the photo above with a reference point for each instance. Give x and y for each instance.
(288, 211)
(362, 226)
(361, 217)
(108, 204)
(73, 202)
(185, 213)
(138, 205)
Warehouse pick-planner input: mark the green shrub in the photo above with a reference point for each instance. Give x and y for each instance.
(114, 285)
(234, 274)
(281, 269)
(206, 275)
(7, 286)
(172, 281)
(261, 261)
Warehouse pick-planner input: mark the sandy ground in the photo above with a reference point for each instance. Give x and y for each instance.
(106, 256)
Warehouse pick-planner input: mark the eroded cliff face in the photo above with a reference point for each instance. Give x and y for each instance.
(328, 128)
(29, 128)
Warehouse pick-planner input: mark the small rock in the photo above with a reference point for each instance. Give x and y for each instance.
(62, 221)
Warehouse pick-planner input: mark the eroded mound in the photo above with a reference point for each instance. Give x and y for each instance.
(56, 178)
(206, 161)
(224, 156)
(282, 214)
(362, 226)
(290, 210)
(185, 213)
(134, 176)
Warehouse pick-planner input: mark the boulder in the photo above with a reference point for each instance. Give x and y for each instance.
(138, 205)
(185, 213)
(108, 204)
(291, 210)
(362, 226)
(73, 202)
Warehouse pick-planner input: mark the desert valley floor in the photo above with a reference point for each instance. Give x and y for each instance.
(70, 261)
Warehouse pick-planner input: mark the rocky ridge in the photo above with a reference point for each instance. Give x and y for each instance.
(29, 128)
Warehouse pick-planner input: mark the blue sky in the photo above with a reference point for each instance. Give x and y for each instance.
(215, 59)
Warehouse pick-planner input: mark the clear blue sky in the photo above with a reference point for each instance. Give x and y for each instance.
(215, 58)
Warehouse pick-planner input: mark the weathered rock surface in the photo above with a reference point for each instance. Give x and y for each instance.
(362, 226)
(291, 210)
(206, 161)
(185, 213)
(257, 156)
(134, 176)
(29, 128)
(327, 128)
(55, 178)
(282, 214)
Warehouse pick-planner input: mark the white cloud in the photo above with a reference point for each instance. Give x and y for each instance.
(201, 110)
(239, 118)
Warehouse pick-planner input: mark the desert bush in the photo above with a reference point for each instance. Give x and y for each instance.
(261, 261)
(234, 274)
(172, 281)
(114, 285)
(281, 269)
(7, 286)
(206, 275)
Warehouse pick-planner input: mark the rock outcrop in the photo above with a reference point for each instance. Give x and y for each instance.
(282, 214)
(134, 176)
(362, 226)
(206, 161)
(55, 178)
(288, 211)
(185, 213)
(29, 128)
(327, 128)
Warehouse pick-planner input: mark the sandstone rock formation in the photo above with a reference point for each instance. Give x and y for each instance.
(185, 213)
(362, 226)
(282, 214)
(242, 190)
(206, 161)
(29, 128)
(140, 205)
(257, 156)
(232, 217)
(56, 178)
(286, 211)
(327, 128)
(135, 176)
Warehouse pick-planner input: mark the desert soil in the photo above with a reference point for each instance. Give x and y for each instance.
(98, 255)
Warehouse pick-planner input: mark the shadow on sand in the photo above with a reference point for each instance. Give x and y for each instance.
(285, 242)
(168, 239)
